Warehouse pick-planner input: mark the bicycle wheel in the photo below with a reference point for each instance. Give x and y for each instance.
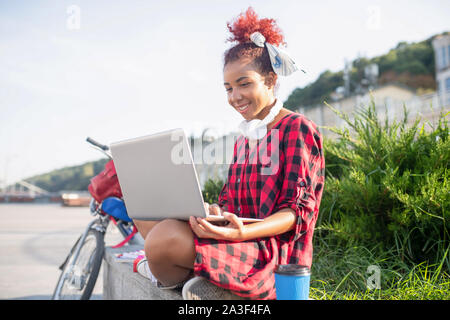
(77, 280)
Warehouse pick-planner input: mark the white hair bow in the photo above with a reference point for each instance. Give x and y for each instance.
(282, 63)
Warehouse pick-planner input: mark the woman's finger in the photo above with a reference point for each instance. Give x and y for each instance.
(193, 226)
(208, 227)
(233, 219)
(204, 229)
(215, 210)
(196, 228)
(235, 223)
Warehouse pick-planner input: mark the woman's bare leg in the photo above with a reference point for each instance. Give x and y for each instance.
(170, 250)
(144, 227)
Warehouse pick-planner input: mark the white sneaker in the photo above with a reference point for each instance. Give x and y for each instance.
(144, 270)
(198, 288)
(129, 256)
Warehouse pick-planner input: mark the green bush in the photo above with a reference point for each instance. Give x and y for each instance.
(388, 184)
(211, 190)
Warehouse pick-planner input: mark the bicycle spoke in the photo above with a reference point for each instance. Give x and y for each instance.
(76, 276)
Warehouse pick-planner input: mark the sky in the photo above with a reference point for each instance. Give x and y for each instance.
(114, 70)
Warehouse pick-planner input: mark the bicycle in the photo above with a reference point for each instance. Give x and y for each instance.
(80, 269)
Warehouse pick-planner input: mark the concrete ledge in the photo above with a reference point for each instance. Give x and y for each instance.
(121, 283)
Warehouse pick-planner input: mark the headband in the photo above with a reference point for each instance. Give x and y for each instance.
(282, 63)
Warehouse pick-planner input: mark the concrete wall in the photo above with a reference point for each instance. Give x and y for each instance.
(389, 101)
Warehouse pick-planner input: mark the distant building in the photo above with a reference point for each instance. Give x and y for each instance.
(390, 98)
(441, 46)
(75, 198)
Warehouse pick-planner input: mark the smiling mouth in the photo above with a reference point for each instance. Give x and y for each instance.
(243, 108)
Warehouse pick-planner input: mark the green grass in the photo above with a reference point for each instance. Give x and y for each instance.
(340, 273)
(385, 204)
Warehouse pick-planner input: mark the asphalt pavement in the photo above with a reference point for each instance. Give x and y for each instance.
(34, 241)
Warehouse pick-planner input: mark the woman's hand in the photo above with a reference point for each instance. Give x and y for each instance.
(233, 231)
(213, 209)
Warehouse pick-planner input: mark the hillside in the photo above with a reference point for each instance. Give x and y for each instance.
(69, 178)
(411, 64)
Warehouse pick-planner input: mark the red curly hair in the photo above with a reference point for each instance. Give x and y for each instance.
(241, 29)
(248, 22)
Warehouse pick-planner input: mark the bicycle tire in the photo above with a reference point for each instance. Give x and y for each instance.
(94, 264)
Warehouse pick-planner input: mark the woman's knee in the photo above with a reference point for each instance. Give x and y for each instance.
(167, 240)
(144, 227)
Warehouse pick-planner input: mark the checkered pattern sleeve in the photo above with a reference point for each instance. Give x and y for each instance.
(223, 199)
(302, 177)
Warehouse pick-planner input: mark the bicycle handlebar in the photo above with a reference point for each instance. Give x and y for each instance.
(97, 144)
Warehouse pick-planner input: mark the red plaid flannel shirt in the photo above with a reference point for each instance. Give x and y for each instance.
(284, 170)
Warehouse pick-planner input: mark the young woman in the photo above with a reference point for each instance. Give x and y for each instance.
(285, 191)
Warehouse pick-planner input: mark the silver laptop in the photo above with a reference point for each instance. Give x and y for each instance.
(158, 178)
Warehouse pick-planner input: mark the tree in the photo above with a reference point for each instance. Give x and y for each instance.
(409, 63)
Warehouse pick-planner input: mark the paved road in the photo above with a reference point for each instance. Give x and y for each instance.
(34, 240)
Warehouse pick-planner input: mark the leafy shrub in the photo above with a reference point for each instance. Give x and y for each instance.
(388, 184)
(211, 190)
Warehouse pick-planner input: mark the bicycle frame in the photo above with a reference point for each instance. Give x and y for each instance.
(97, 224)
(100, 224)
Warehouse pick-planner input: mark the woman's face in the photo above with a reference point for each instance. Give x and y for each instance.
(248, 91)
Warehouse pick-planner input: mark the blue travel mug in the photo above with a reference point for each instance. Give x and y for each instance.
(292, 282)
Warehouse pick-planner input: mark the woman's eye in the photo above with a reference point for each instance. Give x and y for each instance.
(242, 85)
